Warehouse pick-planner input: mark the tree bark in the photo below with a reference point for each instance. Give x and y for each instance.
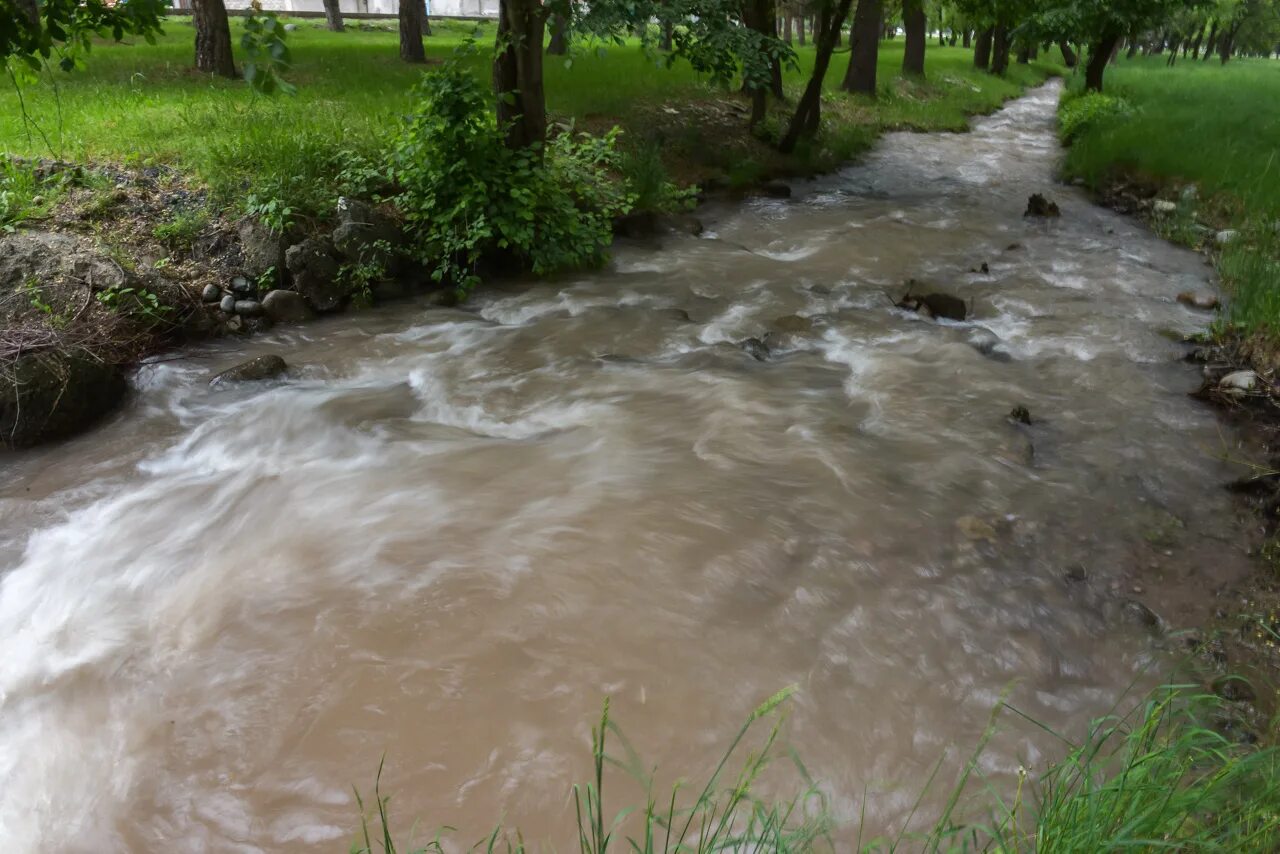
(213, 38)
(333, 16)
(804, 121)
(968, 38)
(786, 30)
(864, 48)
(916, 25)
(517, 73)
(559, 43)
(1024, 55)
(1212, 41)
(982, 49)
(800, 30)
(1000, 50)
(1099, 56)
(1068, 55)
(668, 37)
(412, 14)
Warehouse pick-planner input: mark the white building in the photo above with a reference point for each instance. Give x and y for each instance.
(435, 8)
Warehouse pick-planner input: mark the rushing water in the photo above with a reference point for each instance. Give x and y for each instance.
(450, 533)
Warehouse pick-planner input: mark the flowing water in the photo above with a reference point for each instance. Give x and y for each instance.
(449, 534)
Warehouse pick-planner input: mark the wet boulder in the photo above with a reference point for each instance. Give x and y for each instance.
(261, 249)
(285, 306)
(1201, 301)
(1239, 382)
(314, 266)
(256, 369)
(52, 395)
(366, 233)
(211, 293)
(935, 305)
(1040, 206)
(756, 348)
(1020, 415)
(776, 189)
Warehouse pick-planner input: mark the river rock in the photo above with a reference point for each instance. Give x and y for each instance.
(1163, 207)
(935, 305)
(1137, 614)
(248, 308)
(637, 225)
(211, 293)
(240, 286)
(756, 348)
(314, 266)
(984, 341)
(228, 304)
(1038, 205)
(1020, 415)
(1239, 382)
(259, 368)
(1190, 193)
(1226, 236)
(683, 223)
(51, 395)
(261, 248)
(793, 323)
(1234, 688)
(285, 306)
(776, 189)
(1204, 302)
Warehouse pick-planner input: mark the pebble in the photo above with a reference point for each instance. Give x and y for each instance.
(211, 293)
(228, 304)
(240, 285)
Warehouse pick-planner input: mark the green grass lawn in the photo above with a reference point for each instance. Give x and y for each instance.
(1217, 126)
(141, 105)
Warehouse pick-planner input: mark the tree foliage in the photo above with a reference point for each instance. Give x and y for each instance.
(34, 34)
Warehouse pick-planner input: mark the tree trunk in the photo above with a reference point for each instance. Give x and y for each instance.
(517, 73)
(30, 9)
(1000, 50)
(213, 38)
(559, 43)
(808, 110)
(412, 14)
(1133, 49)
(982, 49)
(668, 37)
(968, 38)
(1099, 56)
(1212, 42)
(1227, 42)
(864, 49)
(800, 30)
(1024, 55)
(333, 15)
(786, 29)
(1068, 55)
(916, 24)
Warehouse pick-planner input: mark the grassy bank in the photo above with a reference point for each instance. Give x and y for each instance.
(1215, 127)
(1160, 776)
(144, 105)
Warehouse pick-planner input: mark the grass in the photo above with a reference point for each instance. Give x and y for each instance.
(1160, 777)
(143, 105)
(1217, 127)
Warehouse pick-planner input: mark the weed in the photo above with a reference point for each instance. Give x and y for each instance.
(131, 299)
(180, 231)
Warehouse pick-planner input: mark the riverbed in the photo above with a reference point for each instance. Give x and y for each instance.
(449, 534)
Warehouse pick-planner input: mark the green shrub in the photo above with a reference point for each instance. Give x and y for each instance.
(181, 230)
(20, 197)
(648, 182)
(464, 194)
(1079, 113)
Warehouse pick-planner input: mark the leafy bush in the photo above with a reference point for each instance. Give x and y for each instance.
(649, 184)
(1080, 113)
(464, 194)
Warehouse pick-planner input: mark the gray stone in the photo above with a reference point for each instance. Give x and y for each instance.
(1039, 206)
(1226, 236)
(1137, 614)
(258, 368)
(683, 223)
(228, 304)
(1239, 382)
(1204, 302)
(285, 306)
(261, 248)
(756, 348)
(1163, 207)
(365, 233)
(314, 268)
(211, 293)
(289, 28)
(1190, 193)
(52, 395)
(248, 308)
(240, 285)
(983, 340)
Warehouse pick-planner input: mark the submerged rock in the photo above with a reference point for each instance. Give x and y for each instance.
(793, 323)
(1137, 614)
(756, 348)
(984, 341)
(52, 395)
(935, 305)
(1020, 415)
(1204, 302)
(1234, 688)
(259, 368)
(285, 306)
(1038, 205)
